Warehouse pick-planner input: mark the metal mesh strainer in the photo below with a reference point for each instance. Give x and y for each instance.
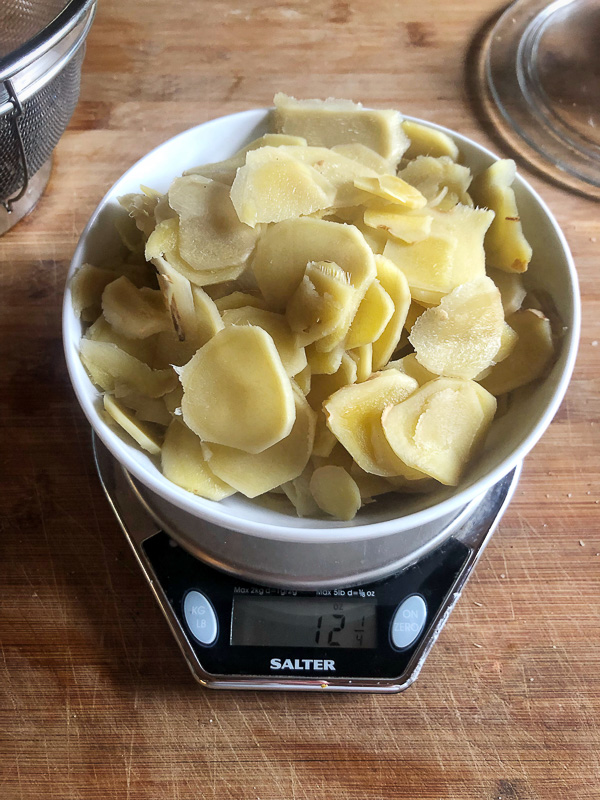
(41, 50)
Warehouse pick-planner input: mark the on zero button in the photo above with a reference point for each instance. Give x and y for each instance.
(200, 617)
(408, 621)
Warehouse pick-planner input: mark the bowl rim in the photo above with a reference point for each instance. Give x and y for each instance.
(212, 511)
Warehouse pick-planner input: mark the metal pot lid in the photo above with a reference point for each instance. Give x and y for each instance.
(29, 29)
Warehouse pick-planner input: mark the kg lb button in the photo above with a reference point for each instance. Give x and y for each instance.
(200, 617)
(408, 621)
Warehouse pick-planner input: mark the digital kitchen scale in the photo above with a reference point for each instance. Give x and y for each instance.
(362, 635)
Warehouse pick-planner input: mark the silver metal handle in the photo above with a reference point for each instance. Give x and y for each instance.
(13, 116)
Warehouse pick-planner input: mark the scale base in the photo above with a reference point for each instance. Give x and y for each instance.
(439, 576)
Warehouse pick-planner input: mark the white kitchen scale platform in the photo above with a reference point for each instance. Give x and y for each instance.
(239, 633)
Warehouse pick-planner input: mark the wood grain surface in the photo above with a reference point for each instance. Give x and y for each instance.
(96, 701)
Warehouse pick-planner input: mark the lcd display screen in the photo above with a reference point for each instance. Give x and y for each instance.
(304, 622)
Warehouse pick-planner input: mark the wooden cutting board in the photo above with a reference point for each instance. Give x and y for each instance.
(96, 701)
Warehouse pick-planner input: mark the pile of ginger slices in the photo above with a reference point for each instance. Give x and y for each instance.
(334, 313)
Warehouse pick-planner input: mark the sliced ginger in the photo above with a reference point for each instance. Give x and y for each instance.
(253, 474)
(135, 313)
(183, 463)
(318, 306)
(529, 358)
(353, 411)
(460, 337)
(439, 427)
(334, 122)
(335, 492)
(506, 247)
(236, 391)
(273, 186)
(290, 277)
(138, 430)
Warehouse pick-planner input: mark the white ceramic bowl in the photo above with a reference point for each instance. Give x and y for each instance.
(511, 437)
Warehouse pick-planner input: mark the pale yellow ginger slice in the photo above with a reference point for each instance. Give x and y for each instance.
(139, 432)
(451, 255)
(132, 312)
(173, 400)
(142, 349)
(335, 492)
(365, 156)
(512, 289)
(238, 299)
(410, 366)
(460, 337)
(395, 284)
(443, 182)
(376, 238)
(369, 485)
(147, 409)
(303, 379)
(393, 467)
(284, 250)
(110, 367)
(273, 186)
(426, 141)
(323, 363)
(140, 208)
(210, 234)
(318, 306)
(236, 391)
(292, 356)
(469, 225)
(350, 215)
(326, 123)
(508, 342)
(253, 474)
(392, 189)
(177, 292)
(427, 265)
(363, 356)
(208, 317)
(373, 314)
(171, 351)
(224, 171)
(299, 494)
(193, 318)
(354, 411)
(164, 242)
(183, 463)
(163, 211)
(337, 169)
(87, 285)
(407, 226)
(506, 247)
(530, 358)
(338, 457)
(325, 441)
(440, 427)
(322, 386)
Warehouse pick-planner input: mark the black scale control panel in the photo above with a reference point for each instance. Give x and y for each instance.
(242, 629)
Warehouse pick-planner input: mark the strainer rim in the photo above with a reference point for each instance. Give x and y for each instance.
(45, 39)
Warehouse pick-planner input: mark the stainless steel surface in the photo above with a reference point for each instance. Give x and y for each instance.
(138, 525)
(22, 207)
(41, 51)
